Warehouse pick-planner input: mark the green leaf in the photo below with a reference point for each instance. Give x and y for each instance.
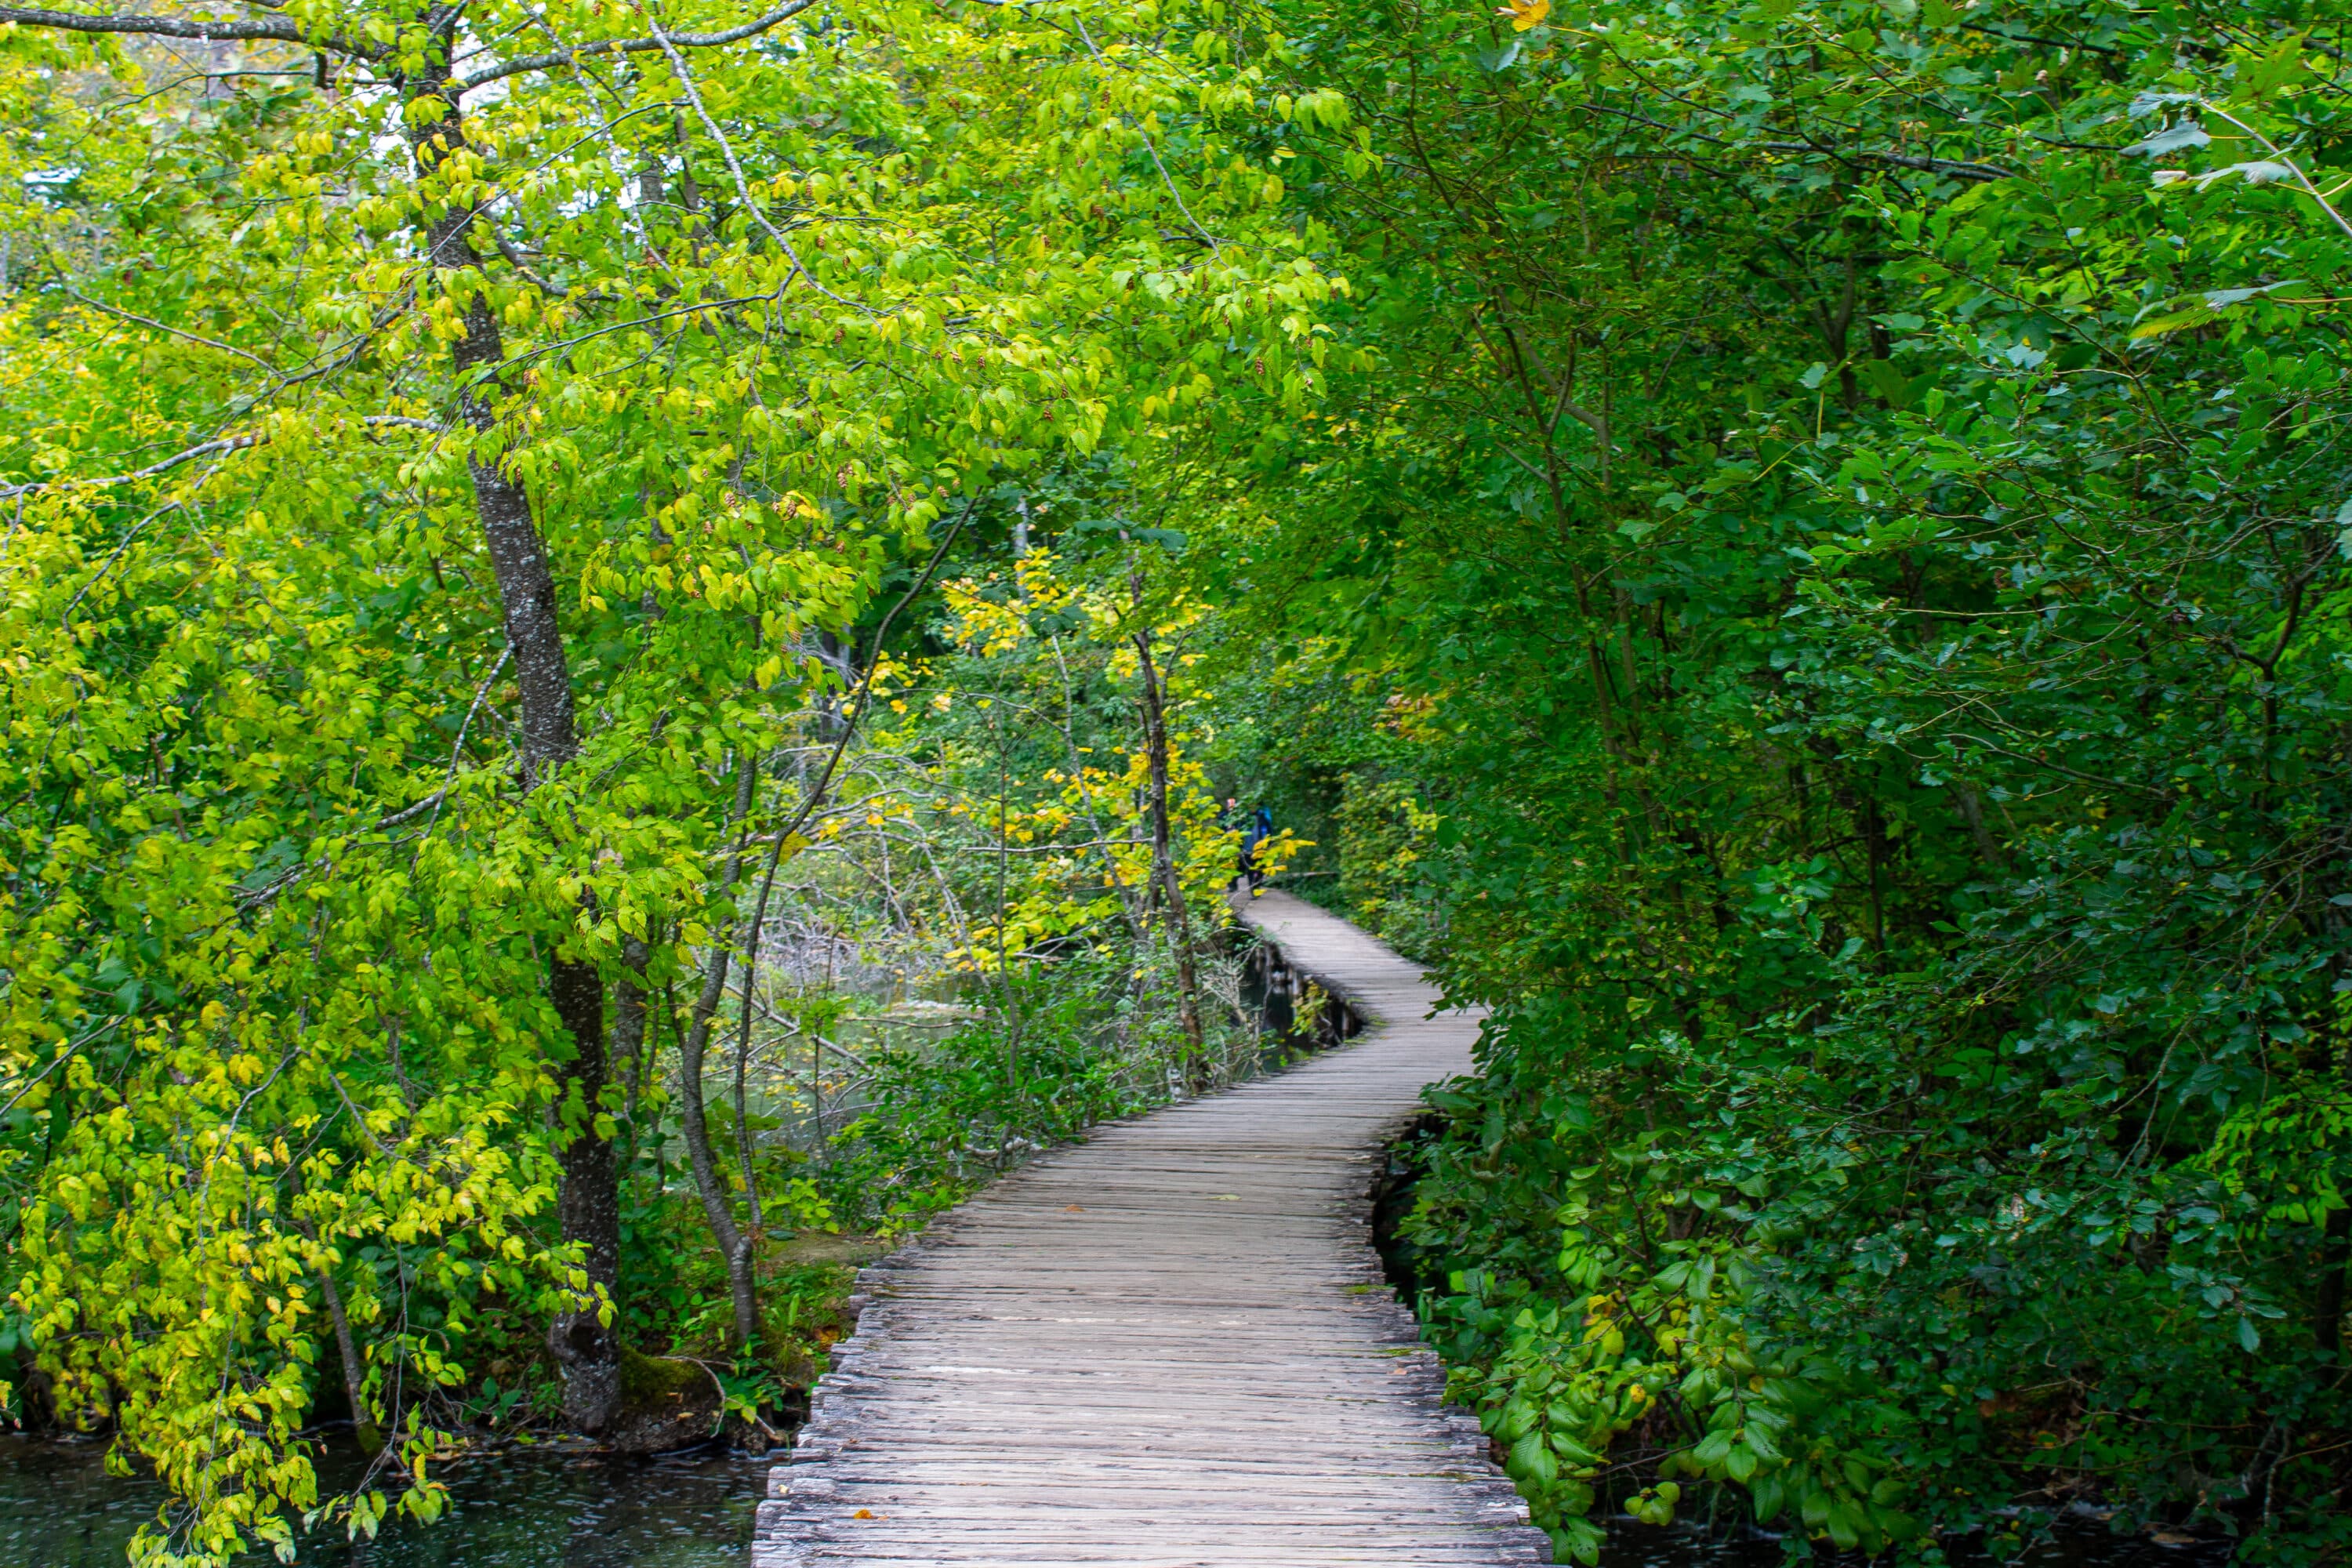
(1531, 1459)
(1900, 391)
(2179, 138)
(1569, 1449)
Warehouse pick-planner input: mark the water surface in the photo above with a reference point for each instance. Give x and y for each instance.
(560, 1507)
(548, 1508)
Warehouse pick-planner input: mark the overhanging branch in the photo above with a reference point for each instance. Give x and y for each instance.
(275, 30)
(575, 53)
(208, 448)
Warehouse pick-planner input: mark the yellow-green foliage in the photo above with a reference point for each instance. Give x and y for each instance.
(275, 914)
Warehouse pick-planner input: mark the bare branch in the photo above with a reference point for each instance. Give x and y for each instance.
(167, 328)
(277, 29)
(1960, 169)
(458, 750)
(670, 47)
(234, 444)
(515, 259)
(575, 53)
(230, 443)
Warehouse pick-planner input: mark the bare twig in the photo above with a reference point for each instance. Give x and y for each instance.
(569, 55)
(727, 151)
(205, 450)
(165, 327)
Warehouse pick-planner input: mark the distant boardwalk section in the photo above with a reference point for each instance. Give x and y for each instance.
(1169, 1346)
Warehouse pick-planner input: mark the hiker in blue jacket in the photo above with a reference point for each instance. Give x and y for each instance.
(1259, 829)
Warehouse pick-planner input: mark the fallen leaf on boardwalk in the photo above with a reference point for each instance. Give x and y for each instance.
(862, 1513)
(1226, 1198)
(1075, 1208)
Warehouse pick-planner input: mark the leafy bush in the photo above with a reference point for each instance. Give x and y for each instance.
(1865, 550)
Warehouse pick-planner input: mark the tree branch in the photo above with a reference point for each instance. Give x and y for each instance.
(231, 444)
(1960, 169)
(277, 29)
(167, 328)
(234, 444)
(670, 47)
(575, 53)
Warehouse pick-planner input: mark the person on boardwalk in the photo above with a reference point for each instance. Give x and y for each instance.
(1255, 830)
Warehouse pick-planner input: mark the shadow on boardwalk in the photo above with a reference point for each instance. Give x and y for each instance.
(1169, 1345)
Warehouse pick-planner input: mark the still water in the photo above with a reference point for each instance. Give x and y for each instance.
(2074, 1539)
(521, 1508)
(554, 1507)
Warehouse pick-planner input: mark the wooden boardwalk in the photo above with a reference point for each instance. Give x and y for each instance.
(1169, 1345)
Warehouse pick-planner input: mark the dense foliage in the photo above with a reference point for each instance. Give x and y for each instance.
(1845, 556)
(622, 633)
(462, 466)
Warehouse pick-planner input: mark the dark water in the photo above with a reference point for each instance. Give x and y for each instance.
(554, 1508)
(519, 1508)
(2071, 1538)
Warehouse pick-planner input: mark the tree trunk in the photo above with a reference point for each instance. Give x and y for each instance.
(364, 1430)
(1973, 812)
(734, 1246)
(1163, 859)
(588, 1205)
(693, 1044)
(589, 1202)
(1013, 1021)
(369, 1437)
(759, 1221)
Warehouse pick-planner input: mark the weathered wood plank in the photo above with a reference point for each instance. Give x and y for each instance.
(1169, 1346)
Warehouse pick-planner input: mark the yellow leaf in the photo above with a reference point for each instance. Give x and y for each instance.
(1526, 14)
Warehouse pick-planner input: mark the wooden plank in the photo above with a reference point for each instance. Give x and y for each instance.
(1169, 1346)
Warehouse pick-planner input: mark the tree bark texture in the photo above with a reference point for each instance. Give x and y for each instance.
(354, 1370)
(588, 1205)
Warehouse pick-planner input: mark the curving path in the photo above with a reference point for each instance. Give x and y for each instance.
(1169, 1345)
